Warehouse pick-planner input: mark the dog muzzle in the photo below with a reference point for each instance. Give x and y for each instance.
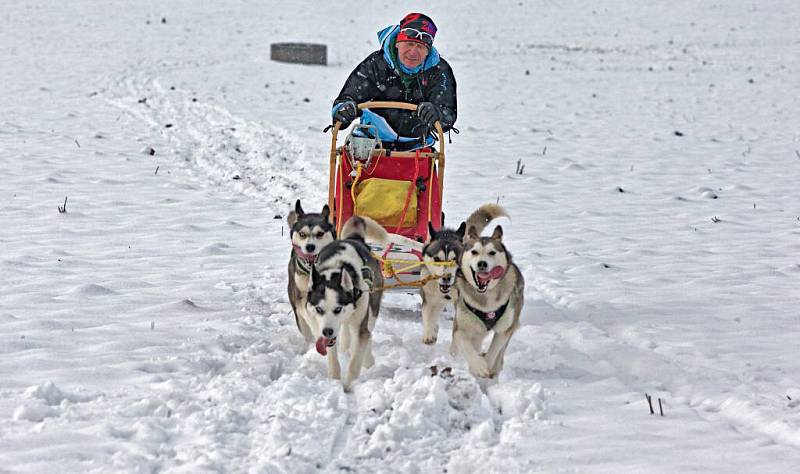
(309, 258)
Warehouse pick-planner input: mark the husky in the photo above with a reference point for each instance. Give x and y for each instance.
(490, 297)
(345, 297)
(446, 245)
(309, 232)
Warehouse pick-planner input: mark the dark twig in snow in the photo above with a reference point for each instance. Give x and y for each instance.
(157, 167)
(660, 408)
(650, 403)
(63, 209)
(77, 143)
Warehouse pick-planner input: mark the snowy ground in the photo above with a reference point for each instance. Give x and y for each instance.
(657, 224)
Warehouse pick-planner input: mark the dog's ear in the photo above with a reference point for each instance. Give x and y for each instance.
(299, 209)
(326, 211)
(462, 229)
(431, 232)
(473, 233)
(291, 219)
(347, 281)
(336, 278)
(316, 278)
(498, 233)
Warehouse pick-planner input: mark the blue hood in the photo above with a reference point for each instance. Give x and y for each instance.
(386, 39)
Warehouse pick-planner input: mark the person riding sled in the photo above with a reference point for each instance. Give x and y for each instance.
(407, 68)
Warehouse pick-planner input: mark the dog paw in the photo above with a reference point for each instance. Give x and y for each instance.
(347, 385)
(430, 335)
(453, 349)
(481, 369)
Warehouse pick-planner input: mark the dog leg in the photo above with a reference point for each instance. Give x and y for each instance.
(497, 350)
(356, 359)
(431, 309)
(345, 339)
(302, 323)
(469, 350)
(334, 369)
(453, 346)
(369, 359)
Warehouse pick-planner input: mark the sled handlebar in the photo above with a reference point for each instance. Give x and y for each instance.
(384, 104)
(378, 104)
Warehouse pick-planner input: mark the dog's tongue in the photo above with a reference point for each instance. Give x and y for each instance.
(493, 274)
(322, 346)
(496, 272)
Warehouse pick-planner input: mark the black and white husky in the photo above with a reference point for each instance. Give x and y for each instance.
(345, 297)
(490, 297)
(309, 233)
(442, 246)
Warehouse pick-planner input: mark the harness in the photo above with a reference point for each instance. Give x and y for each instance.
(488, 318)
(368, 277)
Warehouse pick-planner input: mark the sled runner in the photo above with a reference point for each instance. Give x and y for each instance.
(402, 190)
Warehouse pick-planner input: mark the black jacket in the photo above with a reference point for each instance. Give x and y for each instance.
(374, 79)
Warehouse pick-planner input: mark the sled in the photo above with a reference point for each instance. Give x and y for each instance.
(401, 190)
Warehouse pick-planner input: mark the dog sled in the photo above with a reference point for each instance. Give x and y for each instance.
(401, 190)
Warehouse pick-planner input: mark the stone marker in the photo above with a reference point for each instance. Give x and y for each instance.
(300, 53)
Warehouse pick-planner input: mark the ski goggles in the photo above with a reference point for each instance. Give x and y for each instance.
(414, 33)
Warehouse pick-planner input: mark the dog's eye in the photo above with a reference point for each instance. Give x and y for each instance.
(319, 235)
(492, 253)
(337, 310)
(302, 235)
(319, 310)
(474, 252)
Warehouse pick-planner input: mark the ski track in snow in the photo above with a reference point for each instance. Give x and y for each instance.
(259, 161)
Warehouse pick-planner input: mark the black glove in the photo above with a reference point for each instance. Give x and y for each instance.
(428, 114)
(347, 112)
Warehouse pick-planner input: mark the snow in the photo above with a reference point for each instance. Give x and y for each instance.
(656, 223)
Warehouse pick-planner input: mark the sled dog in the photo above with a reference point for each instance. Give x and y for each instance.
(309, 232)
(490, 297)
(442, 246)
(345, 297)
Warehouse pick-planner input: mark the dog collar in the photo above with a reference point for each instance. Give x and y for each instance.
(488, 318)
